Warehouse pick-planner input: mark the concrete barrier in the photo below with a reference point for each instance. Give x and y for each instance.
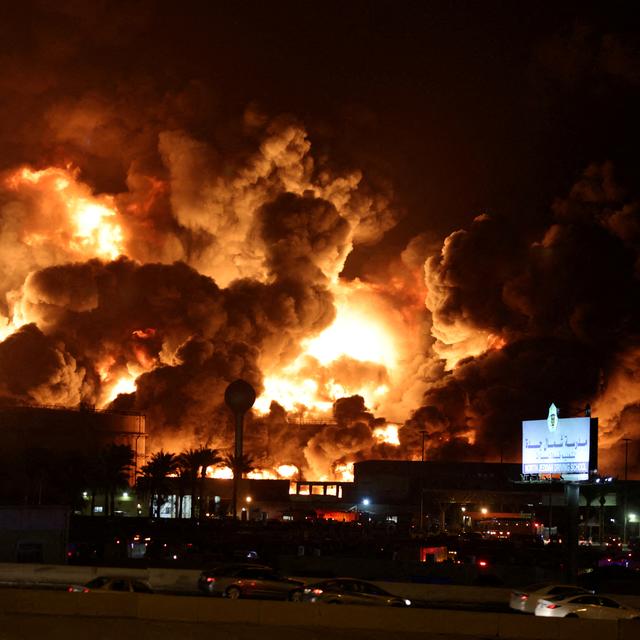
(177, 609)
(185, 580)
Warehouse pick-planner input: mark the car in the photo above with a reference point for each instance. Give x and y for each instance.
(526, 599)
(112, 584)
(585, 606)
(350, 591)
(249, 581)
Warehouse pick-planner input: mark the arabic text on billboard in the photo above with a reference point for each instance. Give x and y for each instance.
(564, 450)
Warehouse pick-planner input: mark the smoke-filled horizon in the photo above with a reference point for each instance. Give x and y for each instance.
(165, 231)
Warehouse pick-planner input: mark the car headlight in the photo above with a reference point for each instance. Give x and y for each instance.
(407, 602)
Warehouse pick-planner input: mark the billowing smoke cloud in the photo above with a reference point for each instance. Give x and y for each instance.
(523, 323)
(36, 368)
(230, 263)
(350, 439)
(158, 243)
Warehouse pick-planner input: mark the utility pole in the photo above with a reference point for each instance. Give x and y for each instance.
(423, 433)
(624, 513)
(572, 496)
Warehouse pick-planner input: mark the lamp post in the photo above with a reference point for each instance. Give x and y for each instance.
(423, 433)
(239, 396)
(626, 460)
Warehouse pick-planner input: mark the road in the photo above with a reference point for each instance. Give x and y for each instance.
(14, 627)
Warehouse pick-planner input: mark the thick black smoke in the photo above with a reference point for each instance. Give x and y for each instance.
(527, 321)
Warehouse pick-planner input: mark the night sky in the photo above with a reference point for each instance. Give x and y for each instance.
(496, 145)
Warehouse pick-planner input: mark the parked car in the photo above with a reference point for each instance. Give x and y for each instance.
(526, 599)
(112, 584)
(350, 591)
(585, 606)
(249, 581)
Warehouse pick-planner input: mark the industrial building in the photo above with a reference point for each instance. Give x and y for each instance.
(66, 430)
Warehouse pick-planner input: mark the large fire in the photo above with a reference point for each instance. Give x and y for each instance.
(348, 340)
(359, 353)
(86, 225)
(365, 331)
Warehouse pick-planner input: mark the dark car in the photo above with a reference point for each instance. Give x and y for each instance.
(249, 581)
(350, 591)
(112, 584)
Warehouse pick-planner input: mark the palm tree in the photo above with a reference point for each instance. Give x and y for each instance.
(208, 457)
(188, 468)
(239, 465)
(154, 478)
(193, 464)
(114, 466)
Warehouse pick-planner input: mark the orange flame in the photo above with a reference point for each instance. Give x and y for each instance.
(91, 228)
(388, 434)
(363, 331)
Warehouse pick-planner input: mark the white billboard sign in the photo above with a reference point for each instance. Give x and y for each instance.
(560, 448)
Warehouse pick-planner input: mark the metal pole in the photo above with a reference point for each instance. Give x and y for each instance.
(238, 460)
(239, 396)
(572, 494)
(423, 433)
(624, 509)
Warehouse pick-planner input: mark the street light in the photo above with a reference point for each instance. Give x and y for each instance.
(366, 502)
(484, 511)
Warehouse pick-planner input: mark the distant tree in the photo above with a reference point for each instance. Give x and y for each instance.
(113, 470)
(240, 466)
(189, 469)
(74, 479)
(36, 474)
(193, 465)
(154, 478)
(208, 458)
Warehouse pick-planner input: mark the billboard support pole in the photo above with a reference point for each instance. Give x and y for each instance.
(572, 495)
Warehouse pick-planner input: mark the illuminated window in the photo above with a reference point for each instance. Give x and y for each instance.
(303, 489)
(293, 487)
(332, 490)
(317, 489)
(339, 491)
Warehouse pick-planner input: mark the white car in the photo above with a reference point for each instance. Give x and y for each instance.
(585, 606)
(526, 599)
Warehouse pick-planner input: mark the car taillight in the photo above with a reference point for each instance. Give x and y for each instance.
(210, 579)
(70, 589)
(482, 563)
(524, 596)
(552, 606)
(85, 590)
